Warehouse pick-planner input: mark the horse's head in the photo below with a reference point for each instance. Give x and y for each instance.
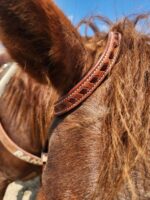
(93, 150)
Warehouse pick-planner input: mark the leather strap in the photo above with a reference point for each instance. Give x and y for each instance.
(76, 96)
(93, 78)
(6, 141)
(15, 150)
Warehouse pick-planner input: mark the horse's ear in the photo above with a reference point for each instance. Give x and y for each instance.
(41, 39)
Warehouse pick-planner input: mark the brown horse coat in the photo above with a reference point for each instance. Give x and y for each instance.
(101, 150)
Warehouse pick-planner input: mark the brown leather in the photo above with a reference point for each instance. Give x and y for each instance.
(75, 97)
(6, 141)
(94, 77)
(16, 150)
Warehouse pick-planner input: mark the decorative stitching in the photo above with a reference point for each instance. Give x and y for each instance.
(108, 51)
(85, 96)
(97, 68)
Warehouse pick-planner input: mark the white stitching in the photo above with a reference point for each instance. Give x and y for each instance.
(105, 54)
(94, 86)
(100, 62)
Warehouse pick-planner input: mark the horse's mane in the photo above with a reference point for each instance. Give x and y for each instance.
(29, 103)
(127, 123)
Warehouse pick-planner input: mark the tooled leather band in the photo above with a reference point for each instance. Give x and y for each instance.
(6, 141)
(94, 77)
(15, 150)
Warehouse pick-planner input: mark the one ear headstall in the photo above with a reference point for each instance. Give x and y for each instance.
(93, 78)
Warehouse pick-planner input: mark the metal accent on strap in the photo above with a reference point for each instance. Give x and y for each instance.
(94, 77)
(44, 157)
(16, 150)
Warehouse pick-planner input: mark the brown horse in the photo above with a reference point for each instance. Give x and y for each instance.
(25, 124)
(100, 150)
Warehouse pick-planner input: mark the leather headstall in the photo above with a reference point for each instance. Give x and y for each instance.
(93, 78)
(6, 141)
(17, 151)
(75, 97)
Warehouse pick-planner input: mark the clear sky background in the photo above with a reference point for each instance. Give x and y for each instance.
(114, 9)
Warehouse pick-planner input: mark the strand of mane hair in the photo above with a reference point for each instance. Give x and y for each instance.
(128, 121)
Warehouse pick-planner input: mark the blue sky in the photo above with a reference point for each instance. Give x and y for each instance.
(114, 9)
